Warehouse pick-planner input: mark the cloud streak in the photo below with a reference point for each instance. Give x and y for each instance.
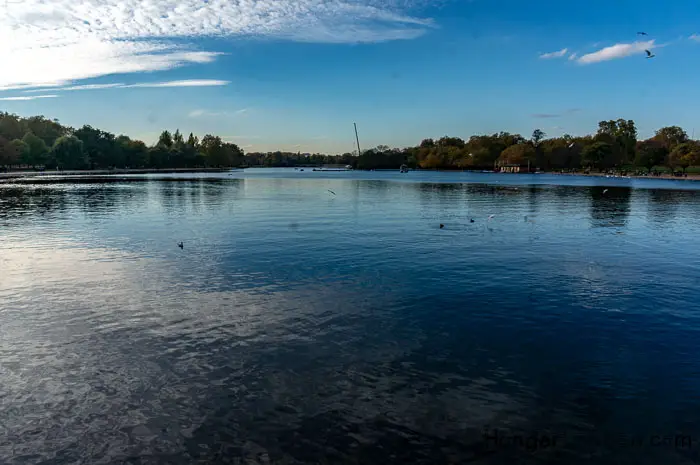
(185, 83)
(615, 52)
(58, 42)
(199, 113)
(695, 37)
(23, 98)
(559, 54)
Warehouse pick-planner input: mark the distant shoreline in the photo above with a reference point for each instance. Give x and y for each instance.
(691, 177)
(12, 175)
(38, 174)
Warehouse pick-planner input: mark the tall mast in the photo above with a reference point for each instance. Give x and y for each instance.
(358, 140)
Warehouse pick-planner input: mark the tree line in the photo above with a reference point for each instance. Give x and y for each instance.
(39, 142)
(613, 146)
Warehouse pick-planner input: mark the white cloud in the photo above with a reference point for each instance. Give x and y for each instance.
(695, 37)
(57, 42)
(71, 88)
(573, 56)
(205, 113)
(616, 51)
(33, 97)
(559, 54)
(186, 83)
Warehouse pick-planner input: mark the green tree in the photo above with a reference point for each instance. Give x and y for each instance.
(38, 150)
(165, 139)
(671, 136)
(537, 136)
(595, 154)
(11, 126)
(650, 153)
(68, 153)
(99, 146)
(22, 151)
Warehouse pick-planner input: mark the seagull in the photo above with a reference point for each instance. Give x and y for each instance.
(571, 145)
(331, 192)
(642, 34)
(649, 54)
(491, 216)
(181, 245)
(604, 191)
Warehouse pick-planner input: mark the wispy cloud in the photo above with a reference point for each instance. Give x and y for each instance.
(73, 88)
(26, 97)
(550, 55)
(616, 51)
(199, 113)
(556, 115)
(63, 41)
(573, 56)
(185, 83)
(695, 37)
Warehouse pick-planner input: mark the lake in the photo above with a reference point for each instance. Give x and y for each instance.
(298, 325)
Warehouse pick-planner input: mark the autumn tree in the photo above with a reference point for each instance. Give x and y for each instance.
(685, 155)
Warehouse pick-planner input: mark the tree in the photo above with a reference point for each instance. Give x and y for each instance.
(22, 151)
(165, 139)
(68, 153)
(685, 155)
(650, 153)
(622, 136)
(37, 150)
(519, 154)
(594, 155)
(671, 136)
(537, 136)
(99, 146)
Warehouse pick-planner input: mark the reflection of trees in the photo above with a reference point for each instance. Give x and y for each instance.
(104, 196)
(662, 204)
(610, 209)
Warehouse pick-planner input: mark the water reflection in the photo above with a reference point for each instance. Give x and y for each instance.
(610, 207)
(300, 327)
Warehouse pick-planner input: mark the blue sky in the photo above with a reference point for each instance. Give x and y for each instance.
(295, 75)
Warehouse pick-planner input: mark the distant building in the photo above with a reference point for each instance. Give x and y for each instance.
(513, 168)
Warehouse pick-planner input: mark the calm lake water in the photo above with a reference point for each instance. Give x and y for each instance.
(298, 326)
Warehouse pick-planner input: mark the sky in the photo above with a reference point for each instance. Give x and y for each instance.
(295, 75)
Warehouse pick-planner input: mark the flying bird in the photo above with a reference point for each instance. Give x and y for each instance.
(181, 245)
(331, 192)
(571, 145)
(491, 216)
(604, 191)
(649, 54)
(642, 34)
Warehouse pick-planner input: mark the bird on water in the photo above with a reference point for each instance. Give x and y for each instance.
(181, 245)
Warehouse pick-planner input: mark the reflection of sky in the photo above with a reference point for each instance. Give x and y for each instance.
(291, 308)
